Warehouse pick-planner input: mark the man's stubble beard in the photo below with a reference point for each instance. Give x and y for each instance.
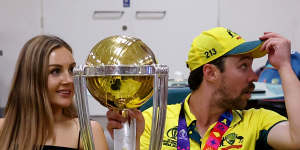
(226, 99)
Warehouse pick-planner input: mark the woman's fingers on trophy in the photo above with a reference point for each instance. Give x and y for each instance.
(115, 115)
(115, 120)
(135, 113)
(111, 125)
(140, 121)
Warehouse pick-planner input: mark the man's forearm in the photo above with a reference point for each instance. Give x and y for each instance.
(291, 88)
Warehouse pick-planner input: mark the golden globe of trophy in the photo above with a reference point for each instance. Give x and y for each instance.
(121, 73)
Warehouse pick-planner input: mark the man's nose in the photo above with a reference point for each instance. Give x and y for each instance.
(253, 76)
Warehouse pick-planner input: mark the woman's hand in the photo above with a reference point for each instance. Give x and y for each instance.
(115, 120)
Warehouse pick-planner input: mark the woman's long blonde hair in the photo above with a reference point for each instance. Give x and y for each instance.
(28, 115)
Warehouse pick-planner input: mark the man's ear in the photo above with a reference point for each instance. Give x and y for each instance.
(210, 72)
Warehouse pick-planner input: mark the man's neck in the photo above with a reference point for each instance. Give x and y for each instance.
(204, 108)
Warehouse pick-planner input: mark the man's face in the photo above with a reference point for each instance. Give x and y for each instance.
(236, 82)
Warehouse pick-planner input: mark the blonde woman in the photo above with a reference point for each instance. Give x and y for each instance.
(40, 114)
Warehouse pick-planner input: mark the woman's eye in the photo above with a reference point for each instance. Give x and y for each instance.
(71, 70)
(55, 71)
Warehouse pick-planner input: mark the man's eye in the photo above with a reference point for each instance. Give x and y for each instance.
(244, 66)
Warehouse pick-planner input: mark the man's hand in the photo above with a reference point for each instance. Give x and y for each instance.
(284, 135)
(278, 48)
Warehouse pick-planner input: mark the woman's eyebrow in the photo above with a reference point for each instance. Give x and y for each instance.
(54, 65)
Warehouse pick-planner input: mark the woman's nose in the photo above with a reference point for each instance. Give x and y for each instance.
(68, 78)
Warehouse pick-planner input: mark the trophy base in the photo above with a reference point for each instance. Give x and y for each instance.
(125, 138)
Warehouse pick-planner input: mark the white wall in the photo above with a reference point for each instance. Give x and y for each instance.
(19, 21)
(169, 37)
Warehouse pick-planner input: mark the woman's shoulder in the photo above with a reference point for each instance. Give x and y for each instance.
(98, 134)
(96, 125)
(1, 122)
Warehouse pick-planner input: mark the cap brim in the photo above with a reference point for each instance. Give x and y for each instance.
(251, 47)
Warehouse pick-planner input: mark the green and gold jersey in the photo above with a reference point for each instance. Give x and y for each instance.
(248, 129)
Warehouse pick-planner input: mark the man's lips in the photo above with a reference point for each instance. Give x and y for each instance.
(249, 89)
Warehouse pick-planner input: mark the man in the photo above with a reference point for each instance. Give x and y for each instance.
(221, 80)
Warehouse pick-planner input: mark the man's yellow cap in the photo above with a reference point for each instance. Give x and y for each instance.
(219, 41)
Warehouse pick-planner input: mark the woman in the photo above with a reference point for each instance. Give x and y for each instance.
(40, 113)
